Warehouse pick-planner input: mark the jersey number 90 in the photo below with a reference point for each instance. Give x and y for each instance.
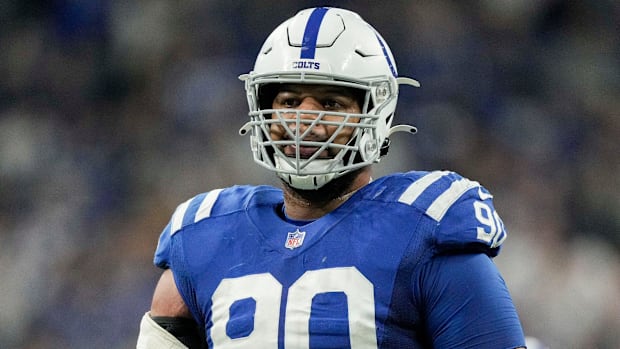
(493, 231)
(266, 294)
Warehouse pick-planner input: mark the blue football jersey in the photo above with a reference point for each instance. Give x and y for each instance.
(404, 263)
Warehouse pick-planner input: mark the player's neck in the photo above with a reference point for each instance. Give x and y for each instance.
(308, 205)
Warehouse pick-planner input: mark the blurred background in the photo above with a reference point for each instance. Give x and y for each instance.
(113, 112)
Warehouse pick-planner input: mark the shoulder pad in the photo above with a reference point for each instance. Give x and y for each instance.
(463, 209)
(200, 206)
(213, 203)
(220, 202)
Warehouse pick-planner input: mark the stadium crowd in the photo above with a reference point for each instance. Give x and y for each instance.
(113, 112)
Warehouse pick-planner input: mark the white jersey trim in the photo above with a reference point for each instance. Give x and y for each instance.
(443, 202)
(177, 218)
(204, 211)
(418, 187)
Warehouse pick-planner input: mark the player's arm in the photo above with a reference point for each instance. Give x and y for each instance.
(169, 324)
(467, 304)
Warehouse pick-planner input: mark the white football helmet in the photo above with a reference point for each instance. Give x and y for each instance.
(326, 46)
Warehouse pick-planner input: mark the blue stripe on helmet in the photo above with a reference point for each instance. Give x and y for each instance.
(387, 56)
(308, 44)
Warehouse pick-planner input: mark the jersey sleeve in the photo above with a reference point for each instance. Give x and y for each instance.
(467, 304)
(463, 211)
(186, 213)
(470, 223)
(162, 253)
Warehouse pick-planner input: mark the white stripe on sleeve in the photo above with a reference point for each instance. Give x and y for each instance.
(416, 188)
(204, 211)
(177, 217)
(442, 203)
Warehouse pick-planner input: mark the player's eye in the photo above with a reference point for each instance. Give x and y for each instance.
(286, 101)
(332, 104)
(290, 102)
(338, 102)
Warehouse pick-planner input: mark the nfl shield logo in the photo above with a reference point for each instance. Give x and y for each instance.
(295, 239)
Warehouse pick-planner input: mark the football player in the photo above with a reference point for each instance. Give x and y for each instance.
(334, 258)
